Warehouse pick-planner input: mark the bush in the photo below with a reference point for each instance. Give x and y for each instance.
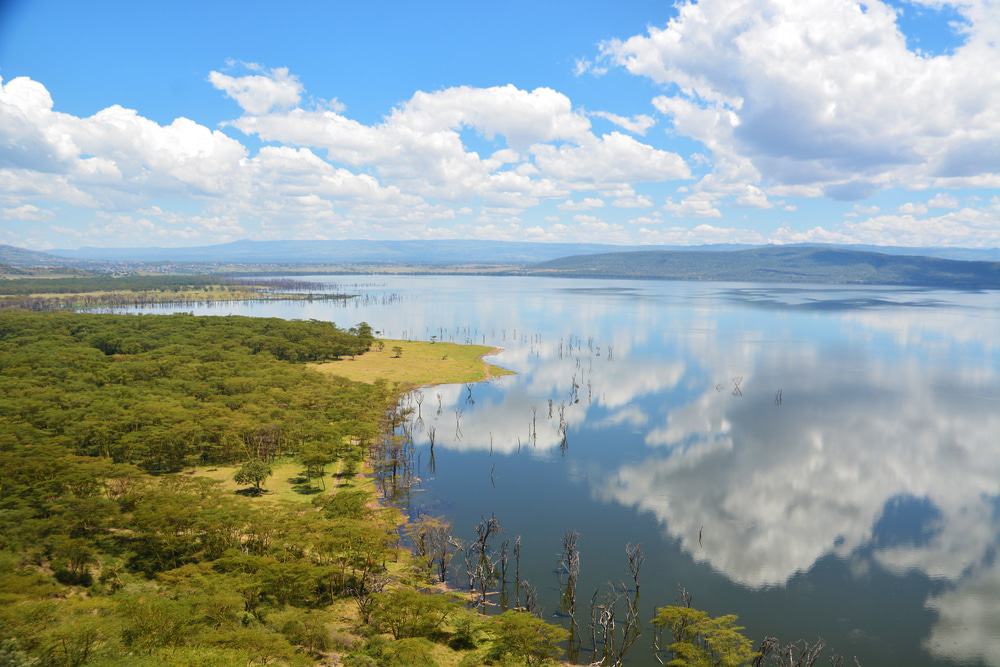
(525, 638)
(405, 612)
(347, 505)
(412, 652)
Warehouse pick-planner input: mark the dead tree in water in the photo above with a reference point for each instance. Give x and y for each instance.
(772, 653)
(612, 637)
(431, 462)
(517, 571)
(458, 423)
(569, 565)
(614, 617)
(432, 542)
(480, 563)
(530, 598)
(534, 423)
(503, 575)
(635, 557)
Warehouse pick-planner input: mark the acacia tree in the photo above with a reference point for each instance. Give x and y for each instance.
(700, 639)
(253, 472)
(526, 639)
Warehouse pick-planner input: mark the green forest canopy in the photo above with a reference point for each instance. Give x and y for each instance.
(111, 556)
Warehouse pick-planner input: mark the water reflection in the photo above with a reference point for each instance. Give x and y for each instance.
(822, 461)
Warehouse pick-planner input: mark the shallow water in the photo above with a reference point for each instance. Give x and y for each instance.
(822, 461)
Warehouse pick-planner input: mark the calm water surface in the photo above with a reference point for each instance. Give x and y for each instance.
(821, 461)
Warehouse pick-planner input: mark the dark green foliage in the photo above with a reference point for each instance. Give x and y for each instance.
(526, 639)
(105, 283)
(348, 504)
(165, 392)
(101, 562)
(413, 652)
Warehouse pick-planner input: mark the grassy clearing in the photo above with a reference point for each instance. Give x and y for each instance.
(420, 363)
(288, 481)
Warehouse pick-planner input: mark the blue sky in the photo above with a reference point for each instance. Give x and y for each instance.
(639, 122)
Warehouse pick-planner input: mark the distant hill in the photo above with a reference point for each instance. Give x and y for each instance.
(13, 256)
(440, 252)
(443, 252)
(937, 267)
(795, 264)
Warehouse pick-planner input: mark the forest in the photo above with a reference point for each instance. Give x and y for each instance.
(118, 291)
(115, 551)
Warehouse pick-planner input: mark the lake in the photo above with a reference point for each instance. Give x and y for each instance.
(823, 461)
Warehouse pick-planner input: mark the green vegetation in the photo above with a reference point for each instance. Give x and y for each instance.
(123, 542)
(104, 283)
(699, 640)
(102, 290)
(526, 640)
(416, 363)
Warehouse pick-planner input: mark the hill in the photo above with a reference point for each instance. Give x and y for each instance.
(438, 252)
(12, 256)
(797, 264)
(442, 252)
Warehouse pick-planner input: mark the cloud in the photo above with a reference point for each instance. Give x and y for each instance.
(909, 208)
(549, 147)
(638, 124)
(26, 212)
(113, 155)
(119, 165)
(609, 159)
(942, 200)
(584, 204)
(825, 94)
(633, 201)
(259, 93)
(698, 205)
(912, 226)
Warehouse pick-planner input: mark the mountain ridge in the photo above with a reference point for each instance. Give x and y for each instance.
(444, 251)
(787, 264)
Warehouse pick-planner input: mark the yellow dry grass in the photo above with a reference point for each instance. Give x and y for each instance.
(287, 481)
(419, 363)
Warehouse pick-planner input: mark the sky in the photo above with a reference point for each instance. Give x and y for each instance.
(640, 122)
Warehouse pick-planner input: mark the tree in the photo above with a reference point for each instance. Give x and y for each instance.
(702, 641)
(526, 638)
(316, 458)
(253, 472)
(404, 612)
(432, 542)
(397, 352)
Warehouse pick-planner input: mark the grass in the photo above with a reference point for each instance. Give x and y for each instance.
(288, 481)
(420, 363)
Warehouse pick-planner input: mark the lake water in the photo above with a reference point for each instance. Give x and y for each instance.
(822, 461)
